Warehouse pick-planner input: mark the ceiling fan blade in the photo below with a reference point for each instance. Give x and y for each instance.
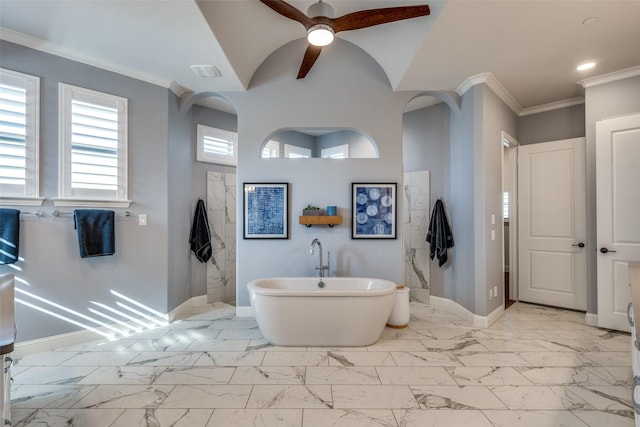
(285, 9)
(371, 17)
(310, 56)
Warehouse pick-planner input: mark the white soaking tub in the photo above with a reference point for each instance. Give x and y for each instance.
(346, 312)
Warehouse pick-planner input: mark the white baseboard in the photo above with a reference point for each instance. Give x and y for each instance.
(54, 342)
(487, 321)
(79, 337)
(244, 311)
(591, 319)
(474, 319)
(184, 309)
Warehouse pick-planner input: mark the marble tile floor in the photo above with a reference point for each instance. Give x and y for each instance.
(536, 366)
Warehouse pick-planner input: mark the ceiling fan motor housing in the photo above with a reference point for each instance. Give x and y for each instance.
(320, 9)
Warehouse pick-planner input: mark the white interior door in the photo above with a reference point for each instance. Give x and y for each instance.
(618, 213)
(552, 224)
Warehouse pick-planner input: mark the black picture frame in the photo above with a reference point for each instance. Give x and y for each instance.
(266, 210)
(374, 208)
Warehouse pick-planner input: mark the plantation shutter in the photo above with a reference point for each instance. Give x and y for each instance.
(216, 145)
(94, 146)
(19, 129)
(13, 138)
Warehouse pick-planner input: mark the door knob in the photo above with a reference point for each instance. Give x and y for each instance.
(605, 250)
(580, 245)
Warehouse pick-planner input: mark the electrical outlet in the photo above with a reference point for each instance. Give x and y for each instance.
(495, 291)
(142, 219)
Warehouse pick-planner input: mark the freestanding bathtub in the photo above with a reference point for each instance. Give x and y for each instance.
(294, 311)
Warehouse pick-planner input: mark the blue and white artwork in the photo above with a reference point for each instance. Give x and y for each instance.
(374, 211)
(266, 213)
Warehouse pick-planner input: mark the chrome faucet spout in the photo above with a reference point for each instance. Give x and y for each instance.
(313, 245)
(321, 267)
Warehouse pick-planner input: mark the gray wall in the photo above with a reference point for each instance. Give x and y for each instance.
(360, 146)
(603, 101)
(476, 194)
(562, 123)
(496, 117)
(426, 135)
(52, 268)
(181, 205)
(464, 131)
(341, 91)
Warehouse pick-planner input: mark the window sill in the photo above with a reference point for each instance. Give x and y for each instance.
(91, 203)
(21, 201)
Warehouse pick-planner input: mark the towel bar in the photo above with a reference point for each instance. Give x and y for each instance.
(36, 213)
(57, 213)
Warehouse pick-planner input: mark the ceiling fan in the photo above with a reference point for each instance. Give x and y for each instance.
(321, 26)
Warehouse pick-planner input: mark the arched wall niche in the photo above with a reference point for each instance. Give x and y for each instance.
(322, 142)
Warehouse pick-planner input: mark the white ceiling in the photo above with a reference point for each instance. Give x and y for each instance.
(530, 46)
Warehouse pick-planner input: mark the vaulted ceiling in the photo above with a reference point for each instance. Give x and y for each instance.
(532, 47)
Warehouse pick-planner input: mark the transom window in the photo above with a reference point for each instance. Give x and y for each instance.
(217, 146)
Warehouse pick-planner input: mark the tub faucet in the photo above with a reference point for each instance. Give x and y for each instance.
(321, 267)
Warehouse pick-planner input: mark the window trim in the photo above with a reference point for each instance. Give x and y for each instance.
(271, 145)
(31, 190)
(87, 198)
(329, 152)
(212, 132)
(297, 151)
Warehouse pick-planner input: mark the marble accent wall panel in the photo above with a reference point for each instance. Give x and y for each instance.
(415, 225)
(221, 209)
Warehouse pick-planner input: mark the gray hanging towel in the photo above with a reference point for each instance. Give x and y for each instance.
(200, 238)
(9, 235)
(439, 234)
(96, 234)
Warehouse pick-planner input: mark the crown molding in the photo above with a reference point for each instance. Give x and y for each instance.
(73, 55)
(552, 106)
(610, 77)
(494, 84)
(177, 89)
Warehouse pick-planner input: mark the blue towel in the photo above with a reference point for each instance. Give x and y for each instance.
(96, 235)
(9, 235)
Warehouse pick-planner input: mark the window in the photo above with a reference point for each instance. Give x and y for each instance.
(19, 128)
(93, 147)
(295, 152)
(271, 150)
(337, 152)
(505, 205)
(217, 146)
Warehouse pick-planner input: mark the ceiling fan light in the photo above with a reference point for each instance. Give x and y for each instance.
(320, 35)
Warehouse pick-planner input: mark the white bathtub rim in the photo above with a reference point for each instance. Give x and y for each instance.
(314, 291)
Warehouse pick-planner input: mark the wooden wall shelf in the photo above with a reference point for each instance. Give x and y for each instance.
(329, 220)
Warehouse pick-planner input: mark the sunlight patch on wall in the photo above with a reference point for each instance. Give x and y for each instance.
(125, 319)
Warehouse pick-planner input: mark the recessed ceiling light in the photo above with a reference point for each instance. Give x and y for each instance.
(590, 20)
(586, 66)
(205, 71)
